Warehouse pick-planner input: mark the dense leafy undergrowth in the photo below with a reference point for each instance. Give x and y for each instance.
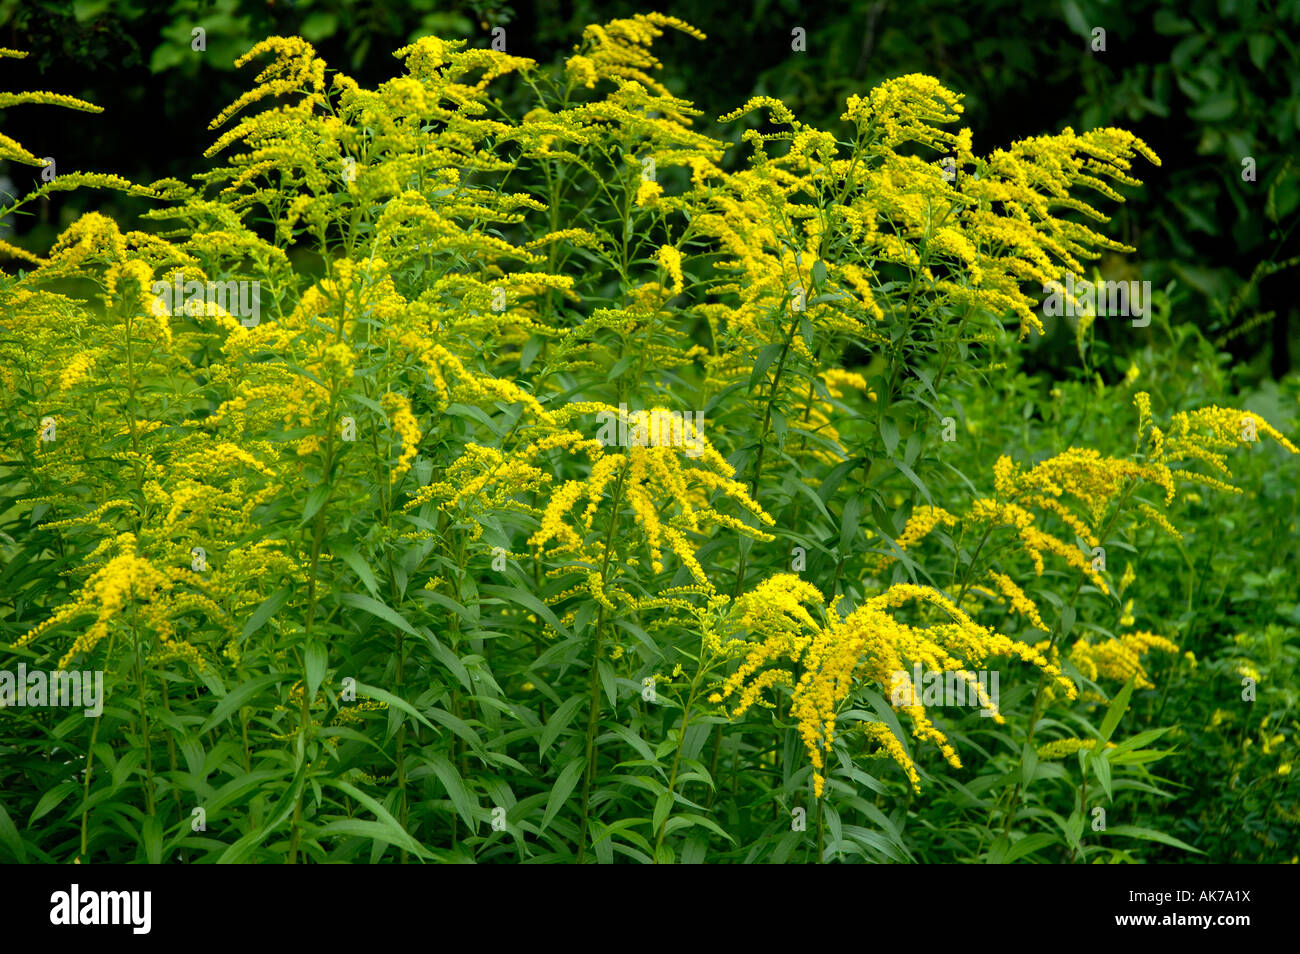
(432, 483)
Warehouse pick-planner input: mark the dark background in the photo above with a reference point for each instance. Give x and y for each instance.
(1205, 82)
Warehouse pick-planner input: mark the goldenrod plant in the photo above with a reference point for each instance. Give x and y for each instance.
(434, 480)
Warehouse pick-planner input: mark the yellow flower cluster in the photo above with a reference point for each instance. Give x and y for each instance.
(398, 408)
(922, 523)
(671, 261)
(1020, 603)
(1080, 487)
(1205, 435)
(1119, 658)
(124, 581)
(13, 151)
(784, 618)
(669, 477)
(620, 50)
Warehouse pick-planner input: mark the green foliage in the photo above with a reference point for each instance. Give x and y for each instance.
(364, 584)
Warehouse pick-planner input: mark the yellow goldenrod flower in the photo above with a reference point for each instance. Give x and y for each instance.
(784, 618)
(403, 422)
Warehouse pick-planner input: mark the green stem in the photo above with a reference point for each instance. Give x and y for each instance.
(677, 755)
(757, 470)
(90, 761)
(318, 536)
(144, 720)
(593, 708)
